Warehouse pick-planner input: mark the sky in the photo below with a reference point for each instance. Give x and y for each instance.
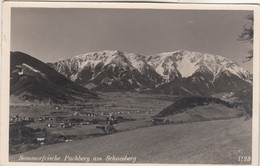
(52, 34)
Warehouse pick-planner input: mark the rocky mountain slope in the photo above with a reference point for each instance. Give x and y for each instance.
(179, 72)
(33, 80)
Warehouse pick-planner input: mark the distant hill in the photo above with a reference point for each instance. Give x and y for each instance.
(194, 109)
(31, 79)
(190, 102)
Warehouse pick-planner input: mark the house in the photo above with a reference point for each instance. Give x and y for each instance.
(66, 125)
(85, 123)
(40, 139)
(158, 121)
(57, 107)
(51, 125)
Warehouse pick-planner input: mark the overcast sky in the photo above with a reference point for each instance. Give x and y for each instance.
(54, 34)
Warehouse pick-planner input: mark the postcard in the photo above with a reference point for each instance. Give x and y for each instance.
(87, 83)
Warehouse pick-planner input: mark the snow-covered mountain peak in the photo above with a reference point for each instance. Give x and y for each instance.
(187, 63)
(105, 56)
(137, 61)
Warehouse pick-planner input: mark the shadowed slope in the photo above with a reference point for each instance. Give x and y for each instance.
(31, 79)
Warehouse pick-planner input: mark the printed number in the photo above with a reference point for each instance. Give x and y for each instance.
(244, 158)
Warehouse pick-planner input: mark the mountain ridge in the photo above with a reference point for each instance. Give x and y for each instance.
(137, 72)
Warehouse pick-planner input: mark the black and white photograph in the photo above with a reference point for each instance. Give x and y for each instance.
(132, 84)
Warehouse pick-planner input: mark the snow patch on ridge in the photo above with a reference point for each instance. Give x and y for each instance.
(186, 67)
(136, 60)
(156, 62)
(31, 68)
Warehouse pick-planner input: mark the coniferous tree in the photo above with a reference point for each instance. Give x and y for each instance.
(247, 34)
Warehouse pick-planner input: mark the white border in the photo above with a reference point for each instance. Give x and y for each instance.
(163, 1)
(6, 13)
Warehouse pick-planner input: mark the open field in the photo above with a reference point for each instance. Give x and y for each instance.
(208, 142)
(205, 113)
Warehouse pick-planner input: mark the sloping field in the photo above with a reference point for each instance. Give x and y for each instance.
(204, 113)
(208, 142)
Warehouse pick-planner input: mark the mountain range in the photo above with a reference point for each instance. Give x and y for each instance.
(180, 72)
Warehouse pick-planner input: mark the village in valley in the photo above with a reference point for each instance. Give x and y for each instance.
(35, 124)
